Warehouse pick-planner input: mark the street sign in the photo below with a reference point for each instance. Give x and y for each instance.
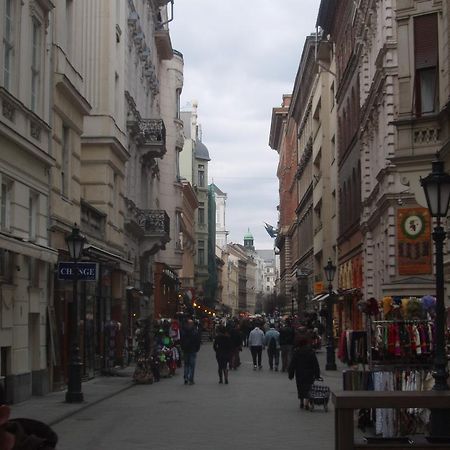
(87, 271)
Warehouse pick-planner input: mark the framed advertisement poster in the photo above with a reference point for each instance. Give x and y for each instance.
(414, 249)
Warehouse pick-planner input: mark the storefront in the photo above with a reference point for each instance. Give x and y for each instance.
(167, 285)
(103, 320)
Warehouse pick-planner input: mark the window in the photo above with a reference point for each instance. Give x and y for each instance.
(201, 213)
(5, 203)
(201, 253)
(8, 44)
(201, 175)
(65, 158)
(6, 264)
(426, 55)
(33, 272)
(35, 63)
(178, 103)
(33, 208)
(332, 95)
(69, 27)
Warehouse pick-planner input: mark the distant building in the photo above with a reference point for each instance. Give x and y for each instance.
(194, 161)
(270, 271)
(221, 205)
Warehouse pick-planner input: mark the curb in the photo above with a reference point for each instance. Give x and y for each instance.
(86, 405)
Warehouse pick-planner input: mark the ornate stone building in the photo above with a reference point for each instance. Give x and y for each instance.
(26, 159)
(337, 22)
(284, 143)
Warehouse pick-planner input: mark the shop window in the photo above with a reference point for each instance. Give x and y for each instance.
(426, 58)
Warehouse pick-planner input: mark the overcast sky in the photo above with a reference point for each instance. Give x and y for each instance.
(240, 57)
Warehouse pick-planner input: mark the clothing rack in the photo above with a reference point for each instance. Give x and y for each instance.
(371, 322)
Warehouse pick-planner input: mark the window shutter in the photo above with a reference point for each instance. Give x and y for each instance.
(426, 41)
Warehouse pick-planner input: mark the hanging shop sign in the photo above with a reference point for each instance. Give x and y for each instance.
(414, 252)
(87, 271)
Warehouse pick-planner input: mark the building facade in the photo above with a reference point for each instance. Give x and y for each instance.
(26, 159)
(194, 161)
(221, 210)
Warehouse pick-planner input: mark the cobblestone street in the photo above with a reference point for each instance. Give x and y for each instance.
(256, 410)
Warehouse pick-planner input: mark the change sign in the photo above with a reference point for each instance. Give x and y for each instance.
(87, 271)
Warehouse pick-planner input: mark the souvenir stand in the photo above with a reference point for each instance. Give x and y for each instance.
(400, 346)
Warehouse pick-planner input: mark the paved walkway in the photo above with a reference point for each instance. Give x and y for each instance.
(256, 410)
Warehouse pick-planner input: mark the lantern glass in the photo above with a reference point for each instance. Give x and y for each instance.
(330, 271)
(75, 243)
(437, 189)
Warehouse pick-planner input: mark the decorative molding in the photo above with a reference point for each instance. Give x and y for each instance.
(35, 130)
(427, 136)
(8, 110)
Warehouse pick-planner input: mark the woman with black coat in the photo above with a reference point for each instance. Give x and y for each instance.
(223, 347)
(305, 367)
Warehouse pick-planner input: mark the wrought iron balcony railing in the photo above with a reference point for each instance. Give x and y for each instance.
(151, 137)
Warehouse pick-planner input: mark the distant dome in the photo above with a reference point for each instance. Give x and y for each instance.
(201, 151)
(248, 236)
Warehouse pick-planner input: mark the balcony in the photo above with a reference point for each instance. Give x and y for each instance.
(163, 43)
(150, 226)
(151, 138)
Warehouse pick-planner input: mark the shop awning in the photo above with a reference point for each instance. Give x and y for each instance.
(322, 297)
(27, 248)
(103, 255)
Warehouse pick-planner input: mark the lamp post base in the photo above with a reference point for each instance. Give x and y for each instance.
(331, 360)
(74, 397)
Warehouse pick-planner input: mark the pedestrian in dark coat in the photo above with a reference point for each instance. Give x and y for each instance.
(190, 345)
(223, 347)
(305, 367)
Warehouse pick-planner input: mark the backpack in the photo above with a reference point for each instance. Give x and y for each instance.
(272, 343)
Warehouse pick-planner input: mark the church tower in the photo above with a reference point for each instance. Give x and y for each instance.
(248, 241)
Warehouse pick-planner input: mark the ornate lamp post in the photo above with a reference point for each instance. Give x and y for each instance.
(330, 271)
(75, 243)
(437, 192)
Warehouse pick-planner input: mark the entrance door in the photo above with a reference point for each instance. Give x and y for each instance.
(34, 349)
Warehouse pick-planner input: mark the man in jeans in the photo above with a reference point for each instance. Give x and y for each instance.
(190, 345)
(256, 344)
(272, 341)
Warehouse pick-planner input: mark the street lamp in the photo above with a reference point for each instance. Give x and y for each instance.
(75, 243)
(330, 271)
(437, 192)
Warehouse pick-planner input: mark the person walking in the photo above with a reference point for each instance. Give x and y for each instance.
(236, 340)
(190, 345)
(305, 367)
(272, 342)
(256, 344)
(287, 334)
(223, 347)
